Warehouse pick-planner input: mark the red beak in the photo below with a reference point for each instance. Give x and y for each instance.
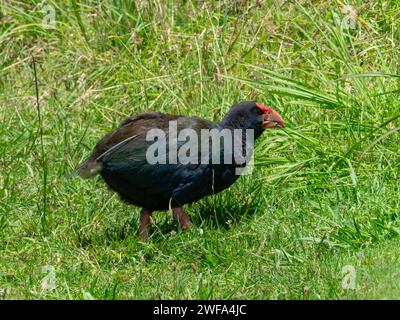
(272, 119)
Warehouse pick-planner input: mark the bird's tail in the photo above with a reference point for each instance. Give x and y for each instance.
(93, 165)
(89, 168)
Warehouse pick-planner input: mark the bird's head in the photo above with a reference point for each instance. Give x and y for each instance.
(252, 115)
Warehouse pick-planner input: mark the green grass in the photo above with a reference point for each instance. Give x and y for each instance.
(324, 193)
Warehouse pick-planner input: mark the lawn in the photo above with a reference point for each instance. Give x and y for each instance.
(319, 217)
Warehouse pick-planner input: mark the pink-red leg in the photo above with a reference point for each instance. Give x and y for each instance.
(181, 218)
(145, 219)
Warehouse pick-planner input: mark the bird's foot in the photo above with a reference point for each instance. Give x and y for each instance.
(181, 218)
(145, 219)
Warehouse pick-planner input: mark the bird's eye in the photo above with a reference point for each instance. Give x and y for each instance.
(257, 111)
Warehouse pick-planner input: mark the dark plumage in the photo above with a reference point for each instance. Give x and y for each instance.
(120, 158)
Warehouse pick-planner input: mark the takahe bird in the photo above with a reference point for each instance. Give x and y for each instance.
(121, 158)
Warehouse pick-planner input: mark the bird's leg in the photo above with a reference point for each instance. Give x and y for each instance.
(181, 218)
(145, 218)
